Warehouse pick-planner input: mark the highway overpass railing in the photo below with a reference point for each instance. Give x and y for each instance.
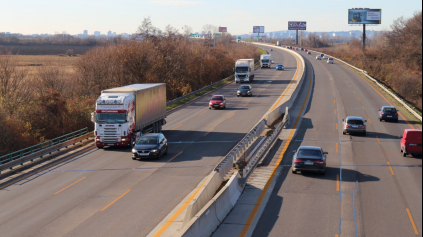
(38, 151)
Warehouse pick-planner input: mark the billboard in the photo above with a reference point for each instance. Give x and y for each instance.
(258, 29)
(297, 25)
(223, 29)
(364, 16)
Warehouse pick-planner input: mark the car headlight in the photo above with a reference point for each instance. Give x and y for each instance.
(248, 92)
(154, 151)
(221, 103)
(134, 151)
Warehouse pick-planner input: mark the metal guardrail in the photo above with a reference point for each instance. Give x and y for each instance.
(30, 153)
(381, 85)
(236, 153)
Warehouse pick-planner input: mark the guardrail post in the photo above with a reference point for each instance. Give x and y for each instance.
(21, 153)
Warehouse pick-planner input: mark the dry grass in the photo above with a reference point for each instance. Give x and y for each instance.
(34, 62)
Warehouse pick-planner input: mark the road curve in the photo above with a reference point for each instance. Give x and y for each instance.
(106, 193)
(369, 188)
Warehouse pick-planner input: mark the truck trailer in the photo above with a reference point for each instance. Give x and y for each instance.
(244, 70)
(265, 60)
(124, 114)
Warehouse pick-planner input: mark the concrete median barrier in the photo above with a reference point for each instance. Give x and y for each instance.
(205, 194)
(213, 214)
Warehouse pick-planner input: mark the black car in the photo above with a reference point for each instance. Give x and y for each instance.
(245, 90)
(388, 113)
(150, 146)
(309, 158)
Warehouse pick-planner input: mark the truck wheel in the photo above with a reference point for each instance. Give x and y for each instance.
(132, 142)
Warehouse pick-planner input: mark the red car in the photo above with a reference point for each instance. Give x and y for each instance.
(217, 102)
(411, 142)
(305, 50)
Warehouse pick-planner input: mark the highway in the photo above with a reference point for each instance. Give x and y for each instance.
(106, 193)
(369, 188)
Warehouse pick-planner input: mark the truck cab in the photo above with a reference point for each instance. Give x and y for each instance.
(265, 61)
(244, 70)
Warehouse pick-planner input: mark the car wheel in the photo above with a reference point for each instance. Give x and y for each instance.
(404, 153)
(134, 158)
(344, 133)
(396, 120)
(237, 96)
(100, 147)
(294, 172)
(323, 172)
(381, 120)
(364, 133)
(167, 148)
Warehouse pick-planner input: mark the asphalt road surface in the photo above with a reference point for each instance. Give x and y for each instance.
(106, 193)
(369, 188)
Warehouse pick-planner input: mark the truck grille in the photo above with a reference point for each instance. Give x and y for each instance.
(110, 140)
(110, 131)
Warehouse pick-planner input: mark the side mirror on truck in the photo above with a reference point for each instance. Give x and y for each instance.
(92, 117)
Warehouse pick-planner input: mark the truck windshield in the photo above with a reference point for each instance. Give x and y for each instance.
(103, 118)
(241, 70)
(265, 60)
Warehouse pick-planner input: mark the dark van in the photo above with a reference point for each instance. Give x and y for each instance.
(411, 142)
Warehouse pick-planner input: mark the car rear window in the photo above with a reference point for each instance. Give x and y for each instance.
(355, 122)
(389, 110)
(310, 153)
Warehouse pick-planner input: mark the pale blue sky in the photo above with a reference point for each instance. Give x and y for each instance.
(124, 16)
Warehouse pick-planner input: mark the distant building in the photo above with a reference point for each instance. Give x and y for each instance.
(85, 32)
(97, 33)
(109, 33)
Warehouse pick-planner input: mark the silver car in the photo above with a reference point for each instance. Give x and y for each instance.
(318, 57)
(354, 125)
(309, 158)
(330, 61)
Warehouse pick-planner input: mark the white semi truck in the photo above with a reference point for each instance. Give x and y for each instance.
(265, 60)
(244, 70)
(124, 114)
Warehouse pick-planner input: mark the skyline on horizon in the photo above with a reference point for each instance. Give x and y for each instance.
(74, 16)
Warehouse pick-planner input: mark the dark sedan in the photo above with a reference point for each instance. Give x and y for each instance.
(150, 146)
(245, 90)
(280, 67)
(309, 158)
(388, 113)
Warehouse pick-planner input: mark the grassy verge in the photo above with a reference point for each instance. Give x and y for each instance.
(262, 51)
(410, 116)
(188, 99)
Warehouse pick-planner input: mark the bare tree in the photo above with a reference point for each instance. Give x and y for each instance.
(14, 88)
(210, 28)
(187, 30)
(146, 28)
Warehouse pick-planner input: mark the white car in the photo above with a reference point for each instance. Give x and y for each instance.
(318, 57)
(325, 57)
(330, 61)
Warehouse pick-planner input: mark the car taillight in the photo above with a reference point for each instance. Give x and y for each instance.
(320, 162)
(396, 113)
(382, 112)
(364, 126)
(347, 126)
(298, 161)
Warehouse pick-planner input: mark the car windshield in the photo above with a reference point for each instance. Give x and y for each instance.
(241, 70)
(280, 65)
(244, 87)
(389, 110)
(310, 153)
(217, 98)
(105, 118)
(148, 140)
(355, 122)
(265, 60)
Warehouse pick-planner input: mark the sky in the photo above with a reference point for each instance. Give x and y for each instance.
(124, 16)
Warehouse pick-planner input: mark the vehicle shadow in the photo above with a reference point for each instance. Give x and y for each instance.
(375, 135)
(404, 122)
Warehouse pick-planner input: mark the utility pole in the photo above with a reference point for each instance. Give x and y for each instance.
(296, 39)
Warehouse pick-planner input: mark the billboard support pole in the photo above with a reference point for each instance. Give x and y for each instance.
(364, 36)
(296, 39)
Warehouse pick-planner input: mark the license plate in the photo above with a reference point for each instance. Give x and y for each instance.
(144, 154)
(309, 163)
(411, 144)
(110, 144)
(355, 126)
(215, 105)
(389, 116)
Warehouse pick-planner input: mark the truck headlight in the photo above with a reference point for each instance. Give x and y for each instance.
(124, 139)
(98, 139)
